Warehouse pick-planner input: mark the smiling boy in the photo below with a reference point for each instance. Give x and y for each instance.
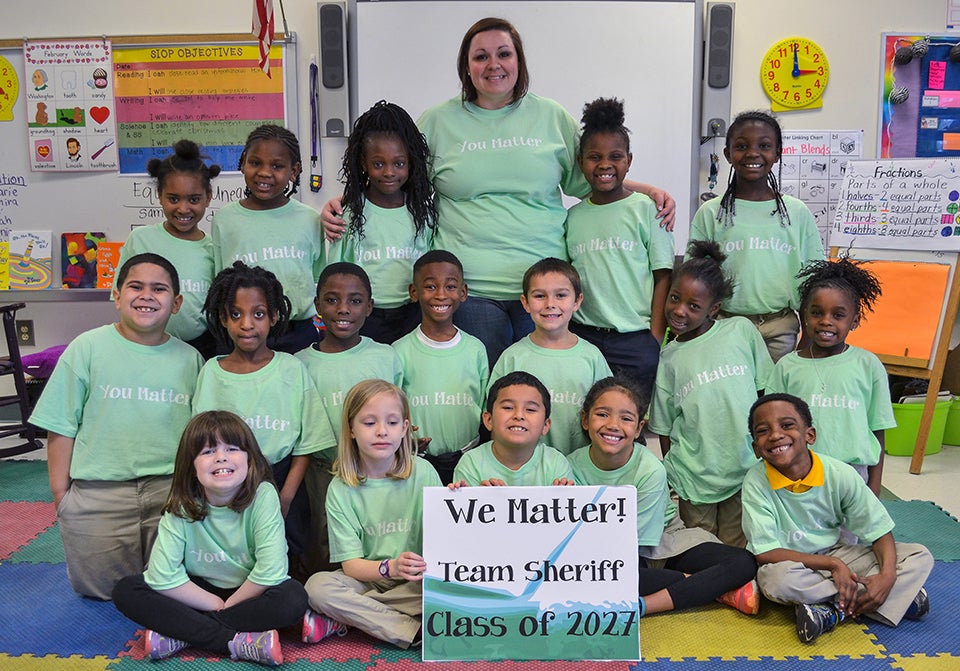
(794, 503)
(567, 364)
(115, 407)
(517, 416)
(445, 370)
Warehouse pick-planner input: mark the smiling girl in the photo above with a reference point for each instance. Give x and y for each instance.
(217, 577)
(269, 229)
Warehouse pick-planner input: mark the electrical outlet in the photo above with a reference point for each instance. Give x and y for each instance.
(25, 333)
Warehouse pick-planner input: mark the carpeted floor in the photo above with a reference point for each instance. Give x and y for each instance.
(44, 626)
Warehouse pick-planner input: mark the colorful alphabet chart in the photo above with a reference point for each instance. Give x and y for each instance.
(519, 573)
(70, 106)
(214, 94)
(813, 167)
(899, 204)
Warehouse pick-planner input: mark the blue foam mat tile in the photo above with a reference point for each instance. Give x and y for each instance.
(937, 632)
(62, 622)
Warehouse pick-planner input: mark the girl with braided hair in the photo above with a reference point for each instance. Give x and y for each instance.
(767, 235)
(390, 215)
(269, 229)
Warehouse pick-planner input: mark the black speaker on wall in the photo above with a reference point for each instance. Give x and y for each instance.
(334, 88)
(717, 69)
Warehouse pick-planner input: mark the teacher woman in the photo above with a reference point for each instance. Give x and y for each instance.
(501, 156)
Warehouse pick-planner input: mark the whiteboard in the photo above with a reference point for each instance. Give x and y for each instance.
(646, 52)
(97, 201)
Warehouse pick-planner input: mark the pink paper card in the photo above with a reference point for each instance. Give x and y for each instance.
(938, 74)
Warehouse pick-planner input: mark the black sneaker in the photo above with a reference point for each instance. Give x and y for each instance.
(919, 607)
(814, 619)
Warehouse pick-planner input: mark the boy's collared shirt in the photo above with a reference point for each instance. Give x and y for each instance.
(814, 478)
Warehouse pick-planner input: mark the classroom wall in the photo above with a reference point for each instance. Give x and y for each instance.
(849, 31)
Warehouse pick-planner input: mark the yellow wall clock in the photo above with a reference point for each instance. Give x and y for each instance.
(794, 74)
(9, 89)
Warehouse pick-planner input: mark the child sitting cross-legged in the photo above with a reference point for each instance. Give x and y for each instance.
(794, 503)
(517, 416)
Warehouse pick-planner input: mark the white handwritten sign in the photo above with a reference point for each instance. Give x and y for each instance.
(530, 573)
(899, 204)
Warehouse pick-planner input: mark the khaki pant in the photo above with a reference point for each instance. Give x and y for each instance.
(779, 331)
(108, 529)
(389, 610)
(791, 582)
(722, 519)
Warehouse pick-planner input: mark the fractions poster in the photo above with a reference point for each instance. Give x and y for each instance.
(899, 204)
(920, 104)
(70, 106)
(813, 166)
(212, 94)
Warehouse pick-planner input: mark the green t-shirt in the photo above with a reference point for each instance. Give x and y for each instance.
(378, 519)
(498, 175)
(124, 404)
(568, 374)
(387, 251)
(645, 472)
(545, 466)
(334, 374)
(445, 387)
(701, 399)
(849, 398)
(287, 241)
(225, 548)
(616, 248)
(810, 521)
(278, 402)
(193, 260)
(762, 256)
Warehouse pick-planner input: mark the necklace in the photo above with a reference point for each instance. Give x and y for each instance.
(816, 368)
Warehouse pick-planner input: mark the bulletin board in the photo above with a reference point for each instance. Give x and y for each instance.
(920, 99)
(114, 202)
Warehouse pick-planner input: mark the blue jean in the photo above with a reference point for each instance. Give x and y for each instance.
(497, 324)
(635, 354)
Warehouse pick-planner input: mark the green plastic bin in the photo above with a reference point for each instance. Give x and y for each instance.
(899, 441)
(951, 434)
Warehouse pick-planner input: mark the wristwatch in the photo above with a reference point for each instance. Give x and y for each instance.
(385, 568)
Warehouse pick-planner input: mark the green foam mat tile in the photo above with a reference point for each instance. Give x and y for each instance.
(927, 523)
(24, 480)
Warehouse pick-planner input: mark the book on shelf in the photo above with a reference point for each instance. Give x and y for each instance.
(31, 260)
(78, 259)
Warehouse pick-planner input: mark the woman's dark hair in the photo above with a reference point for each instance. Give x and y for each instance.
(468, 92)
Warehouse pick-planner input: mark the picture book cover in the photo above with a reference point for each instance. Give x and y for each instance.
(4, 265)
(108, 260)
(31, 259)
(78, 259)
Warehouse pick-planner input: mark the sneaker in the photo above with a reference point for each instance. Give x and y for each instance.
(919, 607)
(814, 619)
(158, 646)
(317, 627)
(746, 599)
(262, 647)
